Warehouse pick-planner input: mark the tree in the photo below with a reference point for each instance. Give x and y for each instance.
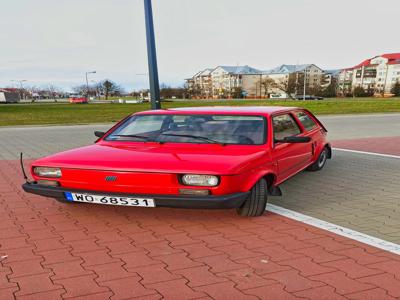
(329, 91)
(359, 91)
(79, 89)
(110, 88)
(286, 85)
(52, 91)
(168, 92)
(236, 92)
(267, 84)
(396, 89)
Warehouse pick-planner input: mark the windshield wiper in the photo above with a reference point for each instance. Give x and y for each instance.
(199, 137)
(133, 136)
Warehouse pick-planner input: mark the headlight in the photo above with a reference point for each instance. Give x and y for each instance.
(200, 180)
(47, 172)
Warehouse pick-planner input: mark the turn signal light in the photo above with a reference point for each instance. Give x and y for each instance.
(194, 192)
(48, 182)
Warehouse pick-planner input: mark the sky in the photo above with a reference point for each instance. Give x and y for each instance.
(56, 42)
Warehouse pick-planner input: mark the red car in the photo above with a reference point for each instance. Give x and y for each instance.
(203, 157)
(78, 99)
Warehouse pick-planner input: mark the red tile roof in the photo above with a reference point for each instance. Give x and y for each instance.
(363, 64)
(393, 58)
(390, 56)
(11, 90)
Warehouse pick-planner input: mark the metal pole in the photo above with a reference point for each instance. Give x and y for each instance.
(87, 83)
(152, 57)
(87, 87)
(304, 87)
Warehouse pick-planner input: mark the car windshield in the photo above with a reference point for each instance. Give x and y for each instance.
(203, 129)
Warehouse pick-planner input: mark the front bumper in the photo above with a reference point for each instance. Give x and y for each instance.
(183, 201)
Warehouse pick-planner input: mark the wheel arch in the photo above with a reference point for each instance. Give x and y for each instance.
(269, 176)
(329, 147)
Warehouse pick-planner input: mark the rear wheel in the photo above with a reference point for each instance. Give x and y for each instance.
(256, 202)
(320, 162)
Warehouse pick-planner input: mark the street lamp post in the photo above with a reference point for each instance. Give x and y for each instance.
(87, 83)
(152, 57)
(304, 86)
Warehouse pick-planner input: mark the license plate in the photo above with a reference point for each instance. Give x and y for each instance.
(99, 199)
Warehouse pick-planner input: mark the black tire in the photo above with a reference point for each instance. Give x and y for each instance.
(256, 202)
(320, 162)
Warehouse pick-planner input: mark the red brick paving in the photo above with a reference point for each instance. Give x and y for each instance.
(384, 145)
(64, 251)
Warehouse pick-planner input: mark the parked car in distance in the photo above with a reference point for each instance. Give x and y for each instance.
(78, 99)
(201, 157)
(308, 97)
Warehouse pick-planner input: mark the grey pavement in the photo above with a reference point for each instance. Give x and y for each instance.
(357, 191)
(40, 141)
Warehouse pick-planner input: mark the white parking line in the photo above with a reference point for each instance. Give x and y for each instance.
(368, 153)
(339, 230)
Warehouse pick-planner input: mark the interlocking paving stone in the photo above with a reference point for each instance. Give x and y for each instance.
(110, 255)
(369, 203)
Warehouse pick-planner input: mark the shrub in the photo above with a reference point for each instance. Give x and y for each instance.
(396, 89)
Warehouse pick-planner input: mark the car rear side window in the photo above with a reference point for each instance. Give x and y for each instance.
(284, 126)
(306, 120)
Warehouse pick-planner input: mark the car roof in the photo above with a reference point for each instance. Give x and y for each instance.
(236, 110)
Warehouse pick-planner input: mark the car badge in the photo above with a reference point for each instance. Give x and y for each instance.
(111, 178)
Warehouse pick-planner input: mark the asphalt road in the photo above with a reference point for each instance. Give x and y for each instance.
(343, 127)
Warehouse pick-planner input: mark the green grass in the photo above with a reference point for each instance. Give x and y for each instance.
(39, 114)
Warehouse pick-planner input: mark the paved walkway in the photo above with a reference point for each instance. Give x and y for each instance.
(383, 145)
(357, 191)
(51, 250)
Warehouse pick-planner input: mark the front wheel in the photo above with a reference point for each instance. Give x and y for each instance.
(256, 202)
(320, 162)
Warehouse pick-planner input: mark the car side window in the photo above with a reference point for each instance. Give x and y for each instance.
(306, 120)
(284, 126)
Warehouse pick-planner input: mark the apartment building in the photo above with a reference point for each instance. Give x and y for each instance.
(294, 78)
(329, 77)
(345, 82)
(377, 74)
(249, 82)
(227, 81)
(200, 85)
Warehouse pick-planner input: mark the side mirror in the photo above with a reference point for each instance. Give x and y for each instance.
(99, 134)
(295, 139)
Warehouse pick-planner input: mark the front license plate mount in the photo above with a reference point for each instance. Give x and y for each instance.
(109, 200)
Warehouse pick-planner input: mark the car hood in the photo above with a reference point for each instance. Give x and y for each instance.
(152, 157)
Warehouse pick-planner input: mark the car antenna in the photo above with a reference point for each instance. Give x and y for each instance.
(22, 168)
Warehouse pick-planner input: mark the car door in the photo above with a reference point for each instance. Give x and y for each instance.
(290, 157)
(311, 129)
